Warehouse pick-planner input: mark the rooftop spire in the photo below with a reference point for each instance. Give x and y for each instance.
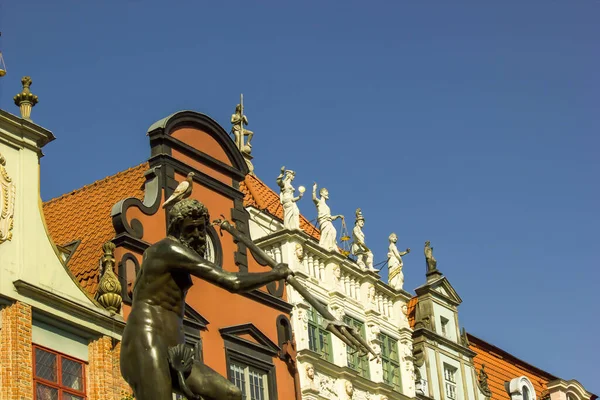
(26, 100)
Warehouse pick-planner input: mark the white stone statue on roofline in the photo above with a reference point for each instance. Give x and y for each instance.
(328, 233)
(291, 213)
(395, 264)
(364, 256)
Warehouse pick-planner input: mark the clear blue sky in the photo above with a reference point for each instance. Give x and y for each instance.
(473, 126)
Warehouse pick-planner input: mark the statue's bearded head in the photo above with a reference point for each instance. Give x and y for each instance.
(187, 223)
(324, 193)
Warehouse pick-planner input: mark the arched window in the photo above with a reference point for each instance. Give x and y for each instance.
(526, 393)
(284, 330)
(520, 388)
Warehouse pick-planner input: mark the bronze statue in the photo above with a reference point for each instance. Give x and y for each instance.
(153, 359)
(431, 261)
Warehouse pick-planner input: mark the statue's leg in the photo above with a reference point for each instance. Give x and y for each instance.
(145, 367)
(209, 384)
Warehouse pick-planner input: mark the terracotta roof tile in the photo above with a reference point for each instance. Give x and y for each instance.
(84, 214)
(502, 367)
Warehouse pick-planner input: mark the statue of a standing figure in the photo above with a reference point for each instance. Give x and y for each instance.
(238, 121)
(328, 233)
(395, 264)
(431, 261)
(154, 359)
(364, 256)
(291, 213)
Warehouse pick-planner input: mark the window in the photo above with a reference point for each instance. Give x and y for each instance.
(390, 361)
(251, 381)
(444, 322)
(250, 362)
(520, 389)
(450, 381)
(57, 376)
(319, 340)
(355, 361)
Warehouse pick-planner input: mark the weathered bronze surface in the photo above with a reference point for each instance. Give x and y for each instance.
(152, 359)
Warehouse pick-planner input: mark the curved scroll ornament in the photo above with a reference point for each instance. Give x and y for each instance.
(8, 191)
(149, 206)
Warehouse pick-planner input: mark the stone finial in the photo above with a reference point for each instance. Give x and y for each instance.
(109, 289)
(26, 100)
(464, 340)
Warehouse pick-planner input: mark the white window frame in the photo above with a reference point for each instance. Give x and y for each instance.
(515, 388)
(450, 381)
(245, 369)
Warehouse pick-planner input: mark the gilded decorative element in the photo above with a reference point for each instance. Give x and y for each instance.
(109, 288)
(26, 100)
(8, 191)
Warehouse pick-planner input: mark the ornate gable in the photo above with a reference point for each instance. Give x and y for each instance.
(440, 288)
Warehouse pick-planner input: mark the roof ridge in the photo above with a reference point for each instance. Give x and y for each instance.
(506, 355)
(85, 187)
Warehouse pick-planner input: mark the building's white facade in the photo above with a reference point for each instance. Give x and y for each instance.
(357, 296)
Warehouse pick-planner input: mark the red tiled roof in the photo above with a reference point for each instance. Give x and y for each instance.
(502, 367)
(84, 214)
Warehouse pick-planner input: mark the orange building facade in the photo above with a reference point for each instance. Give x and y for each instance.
(241, 336)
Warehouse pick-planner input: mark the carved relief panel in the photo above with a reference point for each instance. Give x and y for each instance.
(7, 202)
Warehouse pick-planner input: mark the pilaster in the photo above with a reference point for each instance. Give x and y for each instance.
(15, 352)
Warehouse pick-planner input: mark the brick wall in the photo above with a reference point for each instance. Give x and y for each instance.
(120, 386)
(15, 352)
(104, 379)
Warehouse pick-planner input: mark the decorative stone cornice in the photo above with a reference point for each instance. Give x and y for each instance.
(432, 336)
(97, 316)
(310, 245)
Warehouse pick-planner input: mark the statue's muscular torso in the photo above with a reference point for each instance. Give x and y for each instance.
(159, 298)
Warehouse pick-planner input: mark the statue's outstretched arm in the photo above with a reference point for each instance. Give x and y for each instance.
(345, 333)
(234, 282)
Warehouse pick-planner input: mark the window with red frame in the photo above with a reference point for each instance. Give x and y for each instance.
(56, 376)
